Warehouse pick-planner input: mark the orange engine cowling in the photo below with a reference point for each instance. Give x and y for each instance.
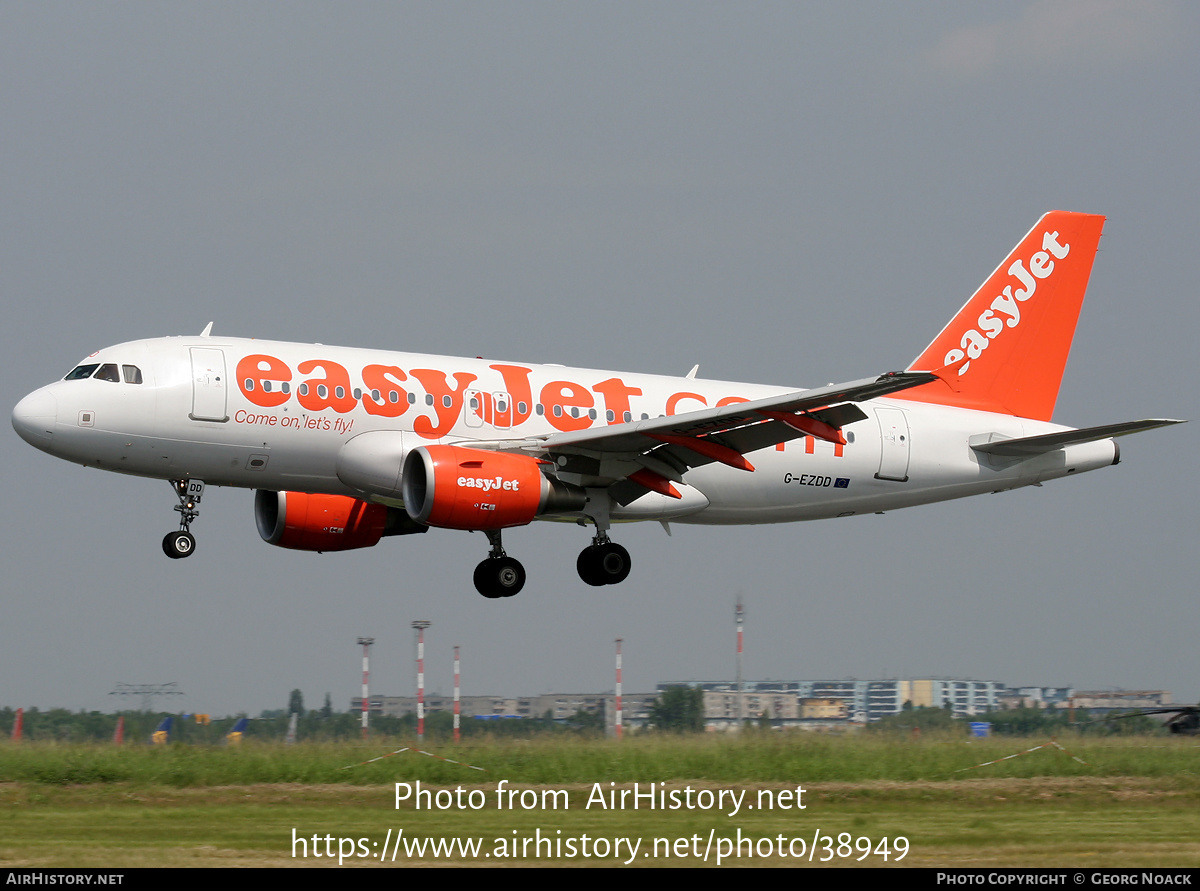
(463, 488)
(307, 522)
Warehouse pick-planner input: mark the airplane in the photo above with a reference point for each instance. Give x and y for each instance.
(346, 446)
(1186, 720)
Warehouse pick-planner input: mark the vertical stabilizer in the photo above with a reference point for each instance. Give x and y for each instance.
(1006, 349)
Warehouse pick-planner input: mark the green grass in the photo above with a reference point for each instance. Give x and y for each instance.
(1136, 802)
(750, 757)
(1010, 822)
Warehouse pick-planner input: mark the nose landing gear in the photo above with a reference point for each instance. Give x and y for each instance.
(182, 543)
(499, 575)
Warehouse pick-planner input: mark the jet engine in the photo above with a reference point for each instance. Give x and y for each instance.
(306, 522)
(455, 487)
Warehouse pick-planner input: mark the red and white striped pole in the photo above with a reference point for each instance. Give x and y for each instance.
(620, 712)
(366, 645)
(421, 625)
(119, 734)
(18, 725)
(456, 696)
(739, 615)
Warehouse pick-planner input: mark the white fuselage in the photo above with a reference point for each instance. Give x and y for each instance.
(276, 416)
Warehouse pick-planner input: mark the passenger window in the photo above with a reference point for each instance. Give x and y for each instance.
(108, 372)
(133, 374)
(81, 372)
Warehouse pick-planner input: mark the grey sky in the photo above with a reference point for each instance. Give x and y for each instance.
(785, 193)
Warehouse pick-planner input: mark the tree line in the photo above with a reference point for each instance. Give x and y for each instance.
(676, 710)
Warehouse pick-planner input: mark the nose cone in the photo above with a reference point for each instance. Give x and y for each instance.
(34, 418)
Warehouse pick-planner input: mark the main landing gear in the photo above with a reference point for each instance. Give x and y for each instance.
(603, 562)
(499, 575)
(177, 545)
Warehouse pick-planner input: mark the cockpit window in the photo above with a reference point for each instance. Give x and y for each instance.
(133, 374)
(81, 372)
(108, 372)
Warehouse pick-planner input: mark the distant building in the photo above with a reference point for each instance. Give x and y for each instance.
(859, 701)
(824, 709)
(1036, 697)
(812, 704)
(720, 704)
(1120, 700)
(559, 706)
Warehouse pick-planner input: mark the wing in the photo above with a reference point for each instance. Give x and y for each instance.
(641, 456)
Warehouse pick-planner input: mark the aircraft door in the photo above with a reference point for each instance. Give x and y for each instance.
(894, 444)
(473, 415)
(208, 385)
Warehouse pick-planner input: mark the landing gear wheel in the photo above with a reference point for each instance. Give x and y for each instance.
(588, 566)
(603, 564)
(179, 544)
(483, 580)
(614, 563)
(499, 577)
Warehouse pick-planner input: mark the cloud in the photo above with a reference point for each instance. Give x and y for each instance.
(1073, 33)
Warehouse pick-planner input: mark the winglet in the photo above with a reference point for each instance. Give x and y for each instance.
(1006, 349)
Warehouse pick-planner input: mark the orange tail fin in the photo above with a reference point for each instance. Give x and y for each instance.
(1006, 348)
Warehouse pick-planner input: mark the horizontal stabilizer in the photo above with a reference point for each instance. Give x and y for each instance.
(1028, 446)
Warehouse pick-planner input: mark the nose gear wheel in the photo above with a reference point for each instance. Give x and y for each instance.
(179, 544)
